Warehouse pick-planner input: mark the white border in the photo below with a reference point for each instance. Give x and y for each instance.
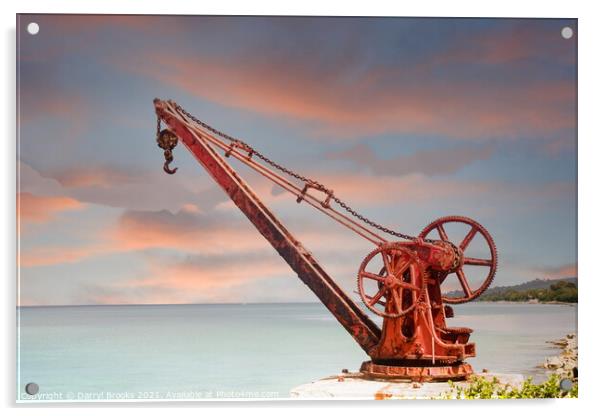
(589, 35)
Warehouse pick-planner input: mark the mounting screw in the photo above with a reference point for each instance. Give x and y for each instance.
(32, 389)
(33, 28)
(566, 384)
(567, 32)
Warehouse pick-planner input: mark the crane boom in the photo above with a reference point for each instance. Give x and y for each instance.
(365, 332)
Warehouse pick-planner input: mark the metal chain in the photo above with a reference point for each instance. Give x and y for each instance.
(289, 172)
(370, 222)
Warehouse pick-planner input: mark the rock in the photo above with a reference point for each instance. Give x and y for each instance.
(565, 364)
(552, 363)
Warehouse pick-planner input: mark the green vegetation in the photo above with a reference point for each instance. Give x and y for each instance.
(482, 388)
(562, 291)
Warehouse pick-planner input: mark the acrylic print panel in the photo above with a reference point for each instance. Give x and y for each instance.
(363, 207)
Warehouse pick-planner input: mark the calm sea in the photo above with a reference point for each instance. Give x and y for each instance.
(238, 350)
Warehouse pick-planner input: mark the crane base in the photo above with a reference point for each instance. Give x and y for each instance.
(456, 371)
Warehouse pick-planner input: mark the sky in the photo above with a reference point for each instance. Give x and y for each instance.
(407, 119)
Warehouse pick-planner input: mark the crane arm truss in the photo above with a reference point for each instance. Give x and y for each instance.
(365, 332)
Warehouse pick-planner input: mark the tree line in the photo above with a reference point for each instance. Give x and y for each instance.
(558, 292)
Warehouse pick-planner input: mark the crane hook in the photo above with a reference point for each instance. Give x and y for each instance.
(168, 160)
(166, 140)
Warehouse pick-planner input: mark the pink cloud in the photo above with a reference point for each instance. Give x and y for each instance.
(183, 231)
(430, 162)
(123, 187)
(43, 101)
(187, 231)
(209, 277)
(512, 46)
(376, 102)
(39, 209)
(56, 254)
(557, 272)
(192, 231)
(262, 276)
(95, 176)
(375, 190)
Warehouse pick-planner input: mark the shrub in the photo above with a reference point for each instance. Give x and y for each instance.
(481, 388)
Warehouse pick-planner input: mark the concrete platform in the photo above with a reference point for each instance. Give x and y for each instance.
(353, 386)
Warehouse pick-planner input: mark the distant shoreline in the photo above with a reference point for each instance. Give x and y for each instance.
(557, 291)
(525, 302)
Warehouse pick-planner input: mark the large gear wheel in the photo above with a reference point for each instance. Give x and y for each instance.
(491, 263)
(400, 283)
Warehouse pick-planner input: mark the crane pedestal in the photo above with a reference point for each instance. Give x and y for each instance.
(414, 372)
(401, 282)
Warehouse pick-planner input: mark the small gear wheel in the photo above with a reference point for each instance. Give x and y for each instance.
(399, 285)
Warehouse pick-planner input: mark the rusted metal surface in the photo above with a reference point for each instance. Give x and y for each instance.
(399, 281)
(416, 373)
(416, 340)
(461, 246)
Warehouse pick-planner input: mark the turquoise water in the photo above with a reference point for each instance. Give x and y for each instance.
(236, 350)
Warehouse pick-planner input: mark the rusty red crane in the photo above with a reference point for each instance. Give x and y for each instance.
(399, 280)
